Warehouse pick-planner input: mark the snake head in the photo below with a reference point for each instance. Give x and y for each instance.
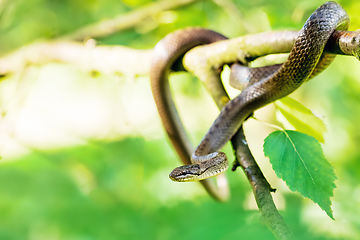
(185, 173)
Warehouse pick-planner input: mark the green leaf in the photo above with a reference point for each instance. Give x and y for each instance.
(300, 118)
(298, 159)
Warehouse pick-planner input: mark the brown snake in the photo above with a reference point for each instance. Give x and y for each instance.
(260, 86)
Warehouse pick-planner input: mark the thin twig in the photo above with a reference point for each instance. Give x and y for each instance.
(236, 15)
(124, 21)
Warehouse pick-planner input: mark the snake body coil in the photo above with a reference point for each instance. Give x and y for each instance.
(166, 52)
(305, 60)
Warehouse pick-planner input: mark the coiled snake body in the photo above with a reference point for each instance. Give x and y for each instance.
(263, 86)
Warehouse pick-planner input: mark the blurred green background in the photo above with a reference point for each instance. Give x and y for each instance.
(84, 155)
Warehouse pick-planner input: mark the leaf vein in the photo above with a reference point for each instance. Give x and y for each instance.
(302, 160)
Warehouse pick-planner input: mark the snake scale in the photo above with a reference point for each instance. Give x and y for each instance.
(260, 86)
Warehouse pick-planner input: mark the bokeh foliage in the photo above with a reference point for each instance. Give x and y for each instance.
(116, 187)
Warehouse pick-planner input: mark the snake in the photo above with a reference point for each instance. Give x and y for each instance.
(167, 57)
(259, 87)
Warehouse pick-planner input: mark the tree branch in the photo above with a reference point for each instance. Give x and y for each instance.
(105, 59)
(260, 186)
(200, 60)
(249, 47)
